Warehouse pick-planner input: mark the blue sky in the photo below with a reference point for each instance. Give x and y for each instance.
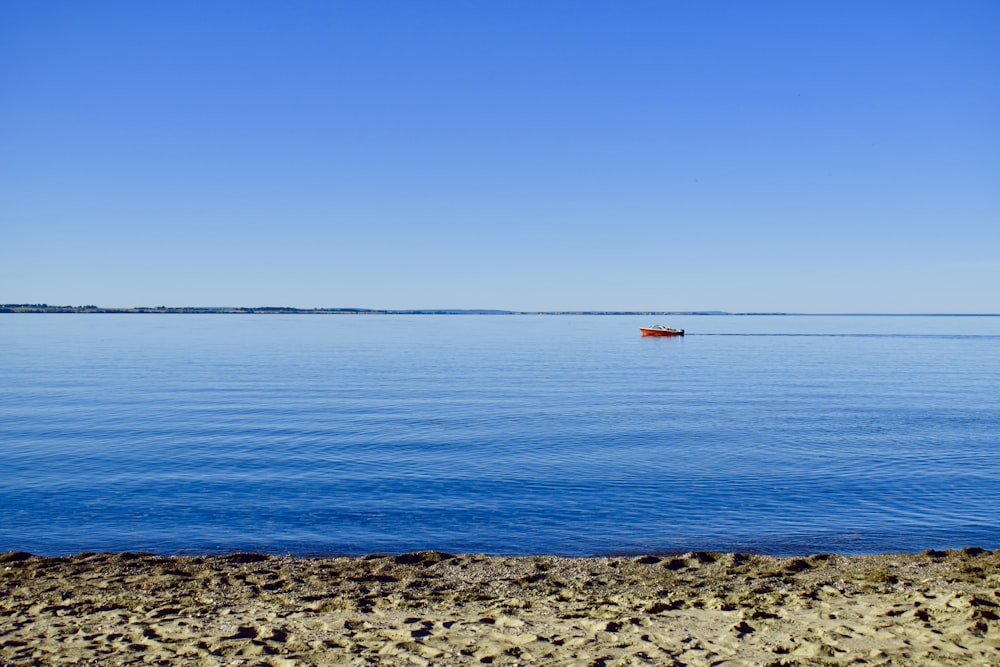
(796, 156)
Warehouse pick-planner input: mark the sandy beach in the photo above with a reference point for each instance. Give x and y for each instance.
(429, 608)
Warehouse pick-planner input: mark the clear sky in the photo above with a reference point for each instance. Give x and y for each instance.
(805, 156)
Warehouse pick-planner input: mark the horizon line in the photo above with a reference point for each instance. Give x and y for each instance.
(24, 308)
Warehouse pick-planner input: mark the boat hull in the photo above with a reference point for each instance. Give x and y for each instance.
(661, 332)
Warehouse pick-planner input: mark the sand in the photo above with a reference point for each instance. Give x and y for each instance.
(429, 608)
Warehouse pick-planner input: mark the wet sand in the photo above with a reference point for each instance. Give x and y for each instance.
(429, 608)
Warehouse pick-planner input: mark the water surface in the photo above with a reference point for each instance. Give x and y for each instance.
(353, 434)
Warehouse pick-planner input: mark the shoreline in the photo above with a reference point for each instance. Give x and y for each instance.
(35, 309)
(699, 608)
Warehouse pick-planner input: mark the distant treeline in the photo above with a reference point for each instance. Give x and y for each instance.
(46, 308)
(284, 310)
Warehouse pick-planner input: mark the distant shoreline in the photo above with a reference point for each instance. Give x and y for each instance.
(20, 308)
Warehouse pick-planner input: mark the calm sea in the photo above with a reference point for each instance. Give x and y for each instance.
(504, 434)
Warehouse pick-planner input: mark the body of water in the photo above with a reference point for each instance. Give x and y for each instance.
(504, 434)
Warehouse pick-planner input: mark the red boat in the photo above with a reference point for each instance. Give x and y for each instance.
(660, 330)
